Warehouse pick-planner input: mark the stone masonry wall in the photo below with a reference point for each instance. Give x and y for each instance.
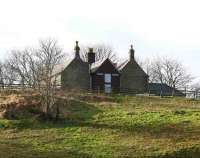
(76, 76)
(133, 78)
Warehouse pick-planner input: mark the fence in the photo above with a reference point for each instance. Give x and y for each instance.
(19, 86)
(192, 94)
(14, 86)
(182, 93)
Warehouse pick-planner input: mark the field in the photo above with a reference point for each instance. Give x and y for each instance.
(117, 126)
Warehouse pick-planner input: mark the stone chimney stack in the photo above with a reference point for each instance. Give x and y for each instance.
(91, 56)
(77, 50)
(132, 53)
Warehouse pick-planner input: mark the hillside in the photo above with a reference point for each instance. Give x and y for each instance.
(108, 126)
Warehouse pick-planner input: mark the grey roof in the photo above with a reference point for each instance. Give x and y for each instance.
(59, 68)
(156, 88)
(122, 64)
(96, 65)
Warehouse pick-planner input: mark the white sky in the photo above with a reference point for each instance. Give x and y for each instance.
(155, 27)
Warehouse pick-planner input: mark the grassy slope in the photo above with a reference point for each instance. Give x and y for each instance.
(125, 127)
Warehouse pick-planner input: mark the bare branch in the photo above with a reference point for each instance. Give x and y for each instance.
(102, 51)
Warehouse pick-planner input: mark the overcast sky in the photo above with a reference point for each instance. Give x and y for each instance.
(154, 27)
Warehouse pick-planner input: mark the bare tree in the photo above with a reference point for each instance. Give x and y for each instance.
(49, 55)
(169, 71)
(147, 66)
(102, 51)
(24, 67)
(34, 67)
(1, 74)
(10, 76)
(196, 86)
(175, 74)
(18, 62)
(158, 74)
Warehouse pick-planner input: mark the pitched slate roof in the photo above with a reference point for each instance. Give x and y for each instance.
(97, 64)
(94, 66)
(156, 88)
(122, 64)
(59, 68)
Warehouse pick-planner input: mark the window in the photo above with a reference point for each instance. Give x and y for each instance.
(99, 74)
(115, 74)
(107, 88)
(107, 85)
(107, 78)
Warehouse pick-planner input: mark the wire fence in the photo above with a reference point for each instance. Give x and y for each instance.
(180, 93)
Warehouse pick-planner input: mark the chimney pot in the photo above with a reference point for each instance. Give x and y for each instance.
(77, 50)
(132, 53)
(91, 56)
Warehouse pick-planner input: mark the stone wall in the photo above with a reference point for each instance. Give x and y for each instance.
(76, 76)
(133, 78)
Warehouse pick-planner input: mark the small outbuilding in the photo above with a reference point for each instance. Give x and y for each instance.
(164, 90)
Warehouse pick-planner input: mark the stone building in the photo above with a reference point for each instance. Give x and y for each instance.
(103, 75)
(76, 74)
(132, 78)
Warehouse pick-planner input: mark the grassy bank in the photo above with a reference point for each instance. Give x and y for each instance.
(121, 126)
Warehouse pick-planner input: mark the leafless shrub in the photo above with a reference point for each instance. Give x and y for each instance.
(49, 55)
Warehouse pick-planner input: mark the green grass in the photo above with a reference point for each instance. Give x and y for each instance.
(123, 126)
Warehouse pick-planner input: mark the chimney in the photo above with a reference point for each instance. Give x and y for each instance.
(77, 50)
(91, 56)
(132, 53)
